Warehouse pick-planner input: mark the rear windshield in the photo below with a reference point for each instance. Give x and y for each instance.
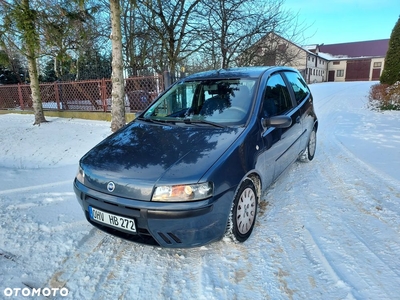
(225, 102)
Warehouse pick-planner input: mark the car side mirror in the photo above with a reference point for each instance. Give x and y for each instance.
(277, 121)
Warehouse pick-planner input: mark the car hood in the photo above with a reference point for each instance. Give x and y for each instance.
(143, 154)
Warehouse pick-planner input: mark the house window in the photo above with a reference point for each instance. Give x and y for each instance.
(377, 64)
(339, 73)
(336, 62)
(312, 59)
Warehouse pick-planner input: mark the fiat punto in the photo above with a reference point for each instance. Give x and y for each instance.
(191, 168)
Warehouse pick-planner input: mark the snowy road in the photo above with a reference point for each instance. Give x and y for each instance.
(329, 229)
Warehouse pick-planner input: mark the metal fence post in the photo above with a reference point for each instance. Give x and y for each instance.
(103, 92)
(57, 95)
(21, 100)
(167, 79)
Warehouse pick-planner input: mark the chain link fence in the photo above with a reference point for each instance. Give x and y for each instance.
(88, 95)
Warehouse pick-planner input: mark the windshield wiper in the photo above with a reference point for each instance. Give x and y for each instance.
(157, 121)
(189, 121)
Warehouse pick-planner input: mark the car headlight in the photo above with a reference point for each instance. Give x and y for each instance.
(179, 193)
(81, 175)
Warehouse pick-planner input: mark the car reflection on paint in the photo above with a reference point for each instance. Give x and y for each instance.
(191, 168)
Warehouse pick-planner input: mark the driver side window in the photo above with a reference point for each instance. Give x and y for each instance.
(276, 97)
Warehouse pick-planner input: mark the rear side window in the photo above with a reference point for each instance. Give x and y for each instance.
(299, 86)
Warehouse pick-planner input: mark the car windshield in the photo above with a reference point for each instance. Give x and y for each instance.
(219, 102)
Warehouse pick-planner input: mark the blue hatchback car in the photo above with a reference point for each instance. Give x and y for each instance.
(191, 168)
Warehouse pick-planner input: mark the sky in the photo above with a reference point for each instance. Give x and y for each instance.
(342, 21)
(327, 229)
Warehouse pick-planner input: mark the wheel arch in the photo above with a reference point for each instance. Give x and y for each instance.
(316, 125)
(256, 179)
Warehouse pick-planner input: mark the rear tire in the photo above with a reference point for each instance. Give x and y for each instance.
(243, 213)
(309, 152)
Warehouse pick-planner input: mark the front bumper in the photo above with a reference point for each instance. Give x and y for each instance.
(174, 225)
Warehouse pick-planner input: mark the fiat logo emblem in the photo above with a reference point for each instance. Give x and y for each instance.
(111, 186)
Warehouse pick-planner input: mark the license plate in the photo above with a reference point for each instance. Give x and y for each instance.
(112, 220)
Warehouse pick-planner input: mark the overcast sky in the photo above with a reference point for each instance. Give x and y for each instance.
(342, 21)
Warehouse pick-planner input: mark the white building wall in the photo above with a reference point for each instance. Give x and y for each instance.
(316, 68)
(375, 62)
(339, 66)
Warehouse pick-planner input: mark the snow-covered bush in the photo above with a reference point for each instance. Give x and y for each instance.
(385, 97)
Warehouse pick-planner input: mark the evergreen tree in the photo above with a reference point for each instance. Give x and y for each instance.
(391, 70)
(93, 65)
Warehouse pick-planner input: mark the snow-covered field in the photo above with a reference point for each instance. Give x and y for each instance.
(329, 229)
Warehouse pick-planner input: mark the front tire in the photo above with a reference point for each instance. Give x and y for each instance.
(243, 213)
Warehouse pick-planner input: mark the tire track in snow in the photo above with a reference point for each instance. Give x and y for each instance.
(282, 227)
(101, 265)
(35, 187)
(332, 268)
(322, 262)
(140, 270)
(394, 247)
(133, 270)
(331, 240)
(175, 273)
(362, 208)
(361, 276)
(377, 210)
(98, 275)
(71, 264)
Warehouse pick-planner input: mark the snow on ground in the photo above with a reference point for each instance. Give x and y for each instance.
(328, 229)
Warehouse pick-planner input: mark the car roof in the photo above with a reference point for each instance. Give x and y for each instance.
(242, 72)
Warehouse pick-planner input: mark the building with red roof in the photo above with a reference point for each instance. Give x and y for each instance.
(355, 61)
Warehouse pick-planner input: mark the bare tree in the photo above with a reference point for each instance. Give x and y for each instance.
(282, 47)
(137, 40)
(171, 22)
(118, 86)
(234, 25)
(11, 59)
(271, 50)
(66, 28)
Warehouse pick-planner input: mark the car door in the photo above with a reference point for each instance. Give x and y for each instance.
(281, 144)
(304, 101)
